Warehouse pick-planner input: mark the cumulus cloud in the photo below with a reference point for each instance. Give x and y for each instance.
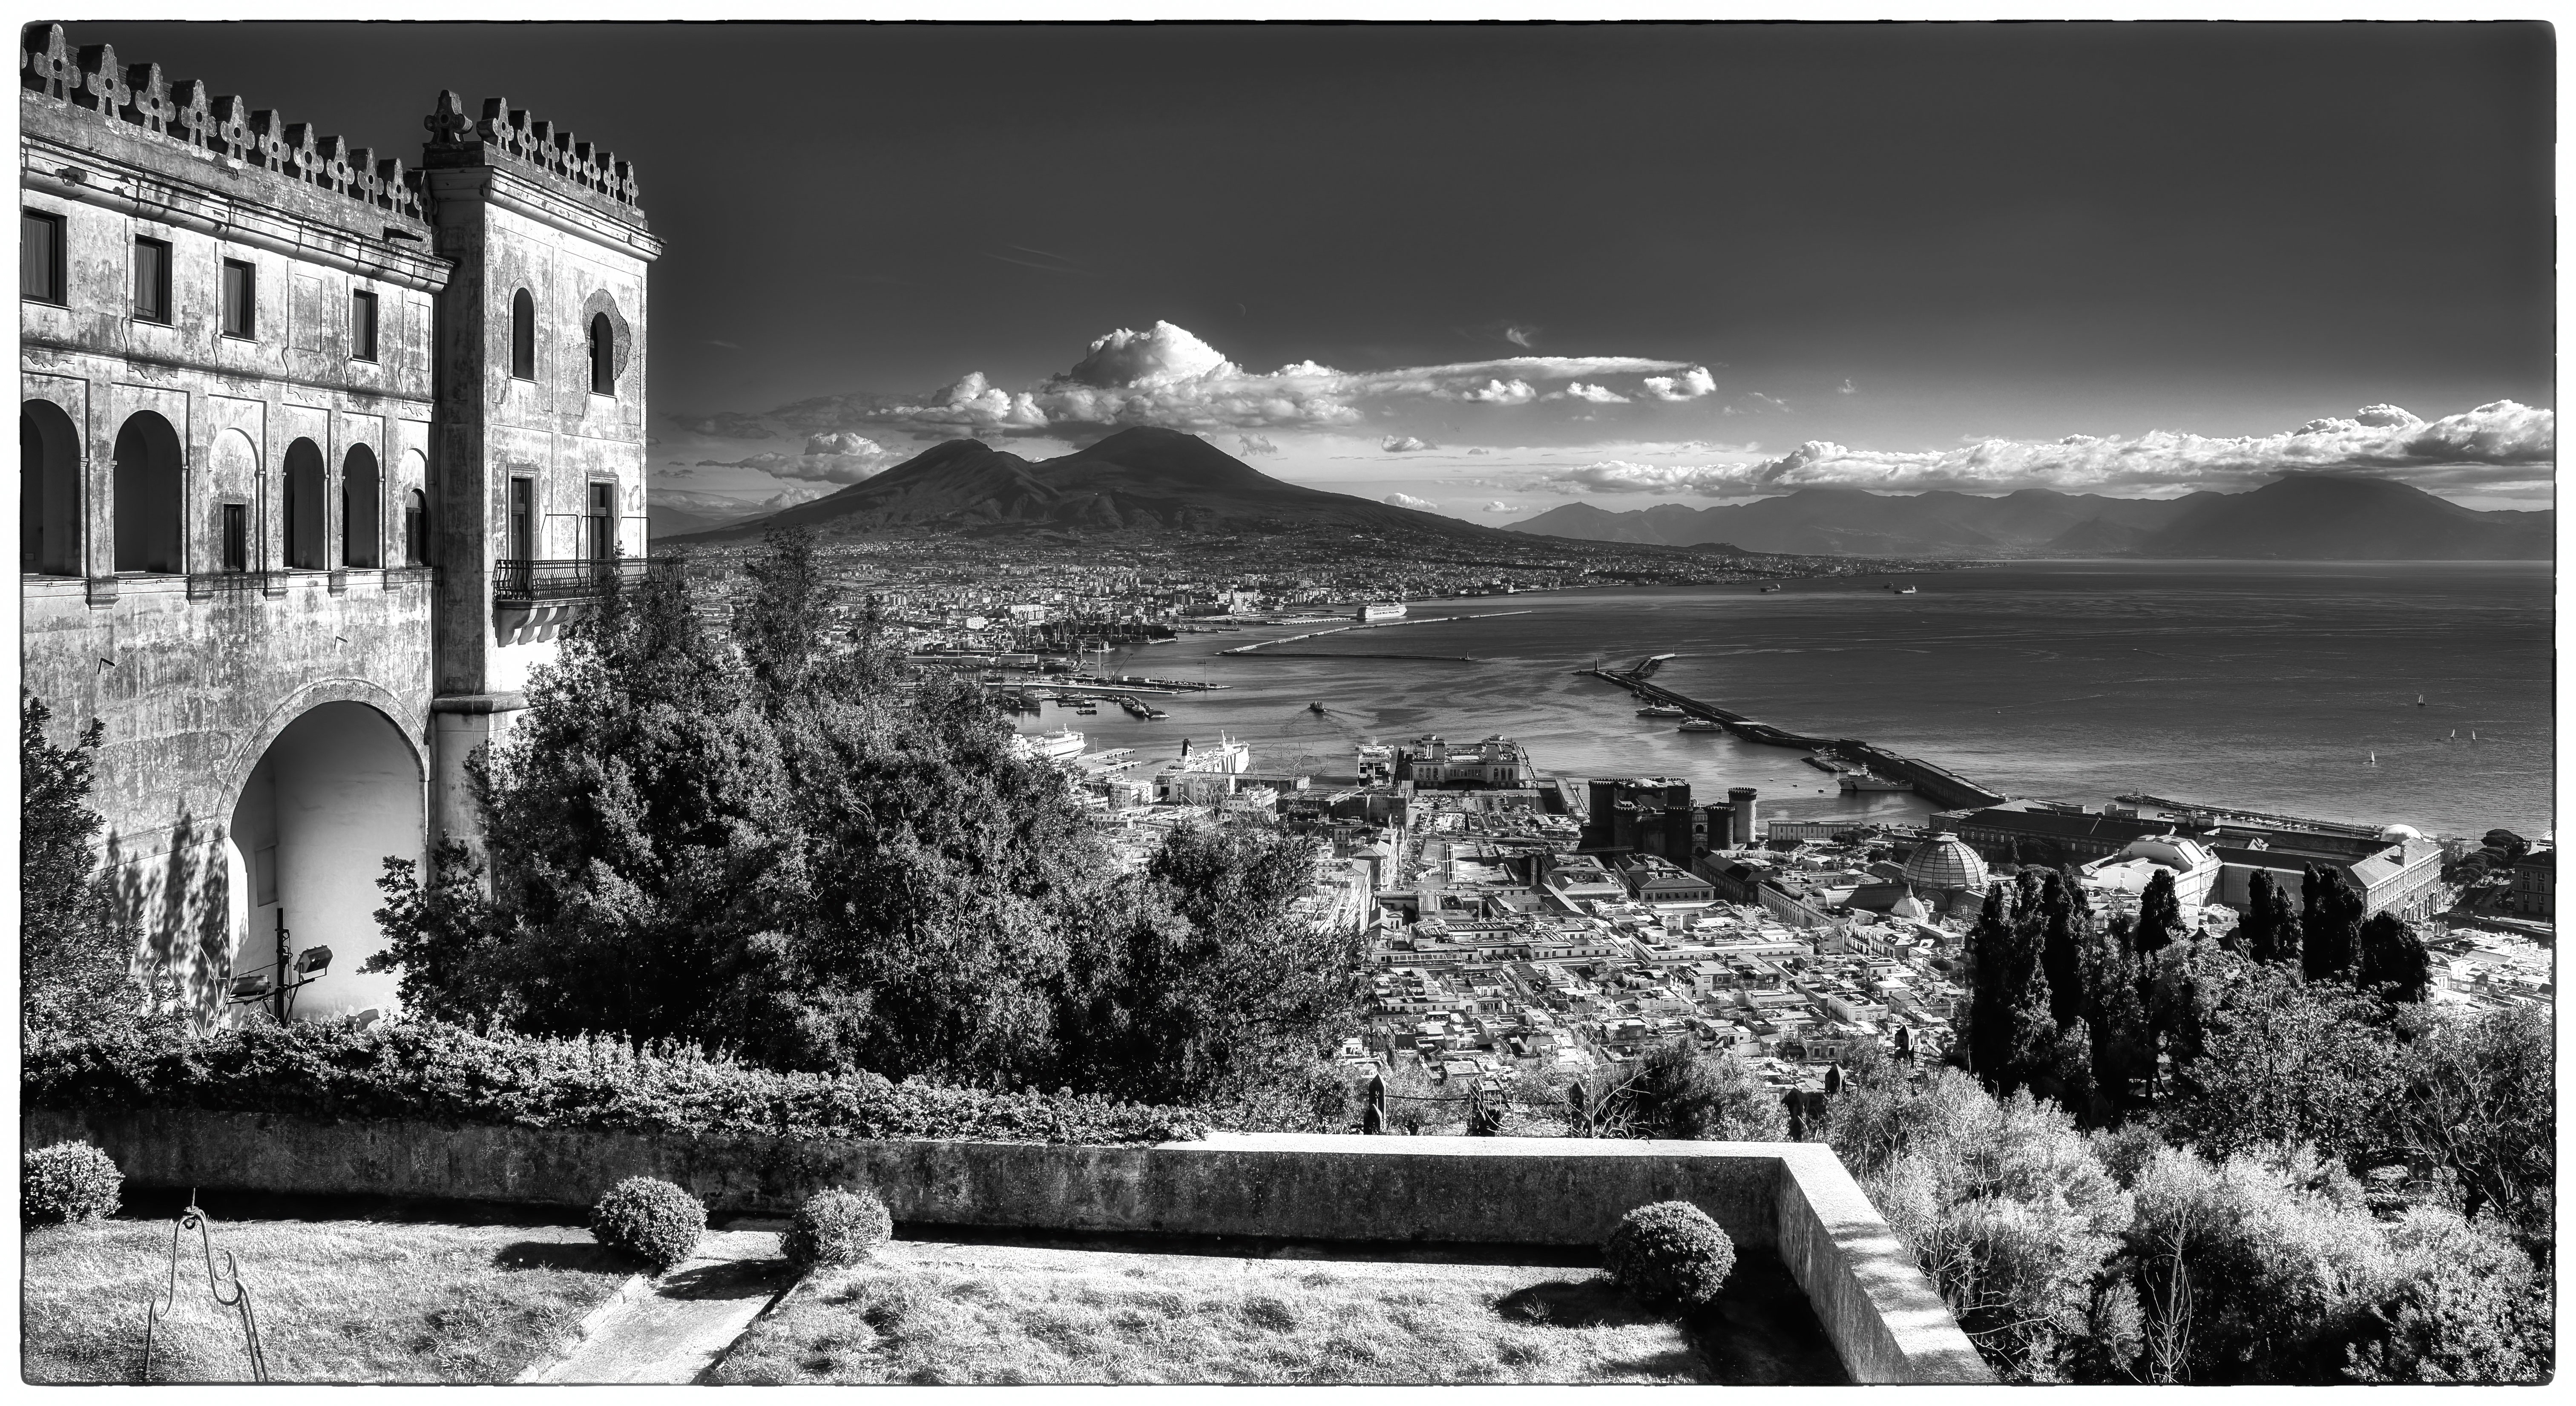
(1499, 506)
(1501, 392)
(1407, 500)
(1597, 394)
(1403, 444)
(2499, 442)
(1167, 375)
(725, 424)
(1690, 385)
(1480, 450)
(841, 457)
(1252, 444)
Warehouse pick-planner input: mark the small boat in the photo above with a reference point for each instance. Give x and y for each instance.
(1905, 590)
(2419, 700)
(2374, 757)
(1315, 708)
(1661, 710)
(1772, 587)
(2473, 734)
(1701, 725)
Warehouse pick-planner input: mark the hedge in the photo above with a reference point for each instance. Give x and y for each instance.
(423, 1070)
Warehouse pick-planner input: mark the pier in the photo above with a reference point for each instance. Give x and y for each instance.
(1258, 645)
(1939, 785)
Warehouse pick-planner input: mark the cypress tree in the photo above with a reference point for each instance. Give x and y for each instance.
(2159, 914)
(2065, 916)
(2011, 1030)
(2330, 925)
(2393, 959)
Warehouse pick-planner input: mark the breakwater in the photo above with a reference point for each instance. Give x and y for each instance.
(1940, 785)
(1260, 646)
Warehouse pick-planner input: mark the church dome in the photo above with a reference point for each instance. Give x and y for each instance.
(1945, 862)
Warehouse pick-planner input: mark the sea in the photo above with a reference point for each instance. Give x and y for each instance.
(2287, 687)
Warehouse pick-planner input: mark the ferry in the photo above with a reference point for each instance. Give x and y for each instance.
(1865, 781)
(1661, 710)
(1823, 763)
(1054, 746)
(1381, 610)
(1702, 725)
(1227, 756)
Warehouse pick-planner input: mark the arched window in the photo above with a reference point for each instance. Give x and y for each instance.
(416, 528)
(603, 355)
(48, 490)
(304, 506)
(147, 495)
(362, 509)
(523, 336)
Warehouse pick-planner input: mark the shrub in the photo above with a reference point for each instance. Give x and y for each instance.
(650, 1219)
(1669, 1252)
(69, 1181)
(436, 1072)
(836, 1228)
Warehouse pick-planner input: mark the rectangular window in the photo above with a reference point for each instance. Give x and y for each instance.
(151, 281)
(241, 299)
(362, 326)
(236, 537)
(40, 256)
(523, 518)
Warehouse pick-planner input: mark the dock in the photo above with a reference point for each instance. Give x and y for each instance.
(1940, 785)
(1258, 646)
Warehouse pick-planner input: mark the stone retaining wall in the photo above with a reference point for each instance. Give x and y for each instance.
(1792, 1199)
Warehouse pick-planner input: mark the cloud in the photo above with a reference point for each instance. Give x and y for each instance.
(1255, 444)
(729, 346)
(1692, 384)
(1480, 450)
(1846, 388)
(1521, 336)
(725, 424)
(1501, 392)
(1597, 394)
(1167, 375)
(2500, 442)
(1407, 500)
(840, 457)
(1499, 506)
(1403, 444)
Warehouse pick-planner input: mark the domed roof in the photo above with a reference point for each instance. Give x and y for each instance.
(2401, 832)
(1945, 862)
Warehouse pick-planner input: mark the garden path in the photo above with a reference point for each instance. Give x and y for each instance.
(673, 1333)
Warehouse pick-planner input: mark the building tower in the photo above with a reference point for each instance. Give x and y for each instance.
(540, 410)
(1743, 824)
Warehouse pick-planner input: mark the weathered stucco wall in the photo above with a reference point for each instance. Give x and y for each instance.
(1795, 1199)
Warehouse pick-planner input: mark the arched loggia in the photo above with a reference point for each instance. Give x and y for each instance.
(49, 490)
(147, 494)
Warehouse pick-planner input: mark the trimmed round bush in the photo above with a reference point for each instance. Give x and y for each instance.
(835, 1228)
(1669, 1253)
(651, 1220)
(69, 1181)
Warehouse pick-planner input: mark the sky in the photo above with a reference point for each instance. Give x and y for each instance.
(1496, 269)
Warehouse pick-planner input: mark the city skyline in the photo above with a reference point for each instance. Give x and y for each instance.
(1502, 269)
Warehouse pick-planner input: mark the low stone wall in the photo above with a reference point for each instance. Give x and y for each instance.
(1792, 1199)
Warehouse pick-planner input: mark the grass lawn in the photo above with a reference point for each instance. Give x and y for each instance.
(925, 1312)
(338, 1300)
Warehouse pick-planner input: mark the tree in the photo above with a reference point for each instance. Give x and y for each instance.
(2329, 924)
(2010, 1032)
(2478, 1101)
(2512, 846)
(2159, 919)
(2287, 1061)
(1678, 1091)
(2393, 960)
(2270, 932)
(1207, 983)
(75, 950)
(2466, 1306)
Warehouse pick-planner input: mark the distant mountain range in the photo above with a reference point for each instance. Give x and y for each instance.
(1143, 479)
(2301, 516)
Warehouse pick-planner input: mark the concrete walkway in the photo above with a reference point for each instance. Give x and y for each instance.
(675, 1332)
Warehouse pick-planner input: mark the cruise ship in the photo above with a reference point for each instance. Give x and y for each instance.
(1060, 745)
(1382, 610)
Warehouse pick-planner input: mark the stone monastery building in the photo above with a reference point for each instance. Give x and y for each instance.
(319, 450)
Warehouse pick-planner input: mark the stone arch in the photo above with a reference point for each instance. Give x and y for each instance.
(334, 787)
(49, 490)
(304, 507)
(362, 509)
(146, 493)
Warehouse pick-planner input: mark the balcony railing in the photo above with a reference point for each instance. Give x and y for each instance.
(523, 581)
